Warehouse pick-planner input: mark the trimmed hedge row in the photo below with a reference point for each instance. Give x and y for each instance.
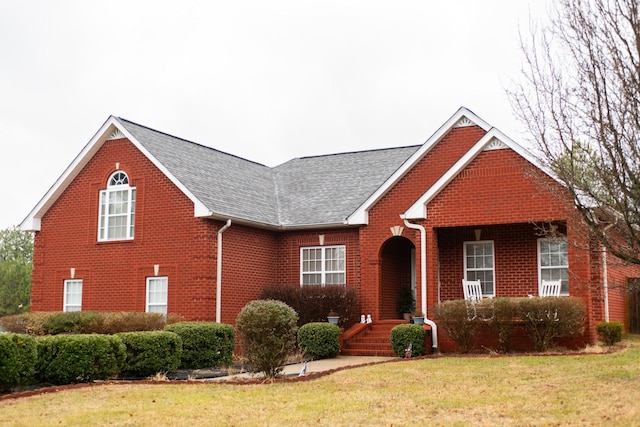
(148, 353)
(85, 322)
(543, 319)
(69, 359)
(18, 357)
(205, 344)
(72, 358)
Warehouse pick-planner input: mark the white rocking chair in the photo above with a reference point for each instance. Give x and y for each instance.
(472, 290)
(550, 288)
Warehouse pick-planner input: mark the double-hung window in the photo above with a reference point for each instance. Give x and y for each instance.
(117, 209)
(322, 265)
(479, 265)
(553, 262)
(72, 295)
(157, 291)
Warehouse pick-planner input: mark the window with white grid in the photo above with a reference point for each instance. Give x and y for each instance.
(72, 295)
(157, 292)
(322, 265)
(553, 262)
(479, 265)
(117, 209)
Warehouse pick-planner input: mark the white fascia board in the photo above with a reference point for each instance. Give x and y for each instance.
(32, 221)
(360, 216)
(199, 208)
(419, 209)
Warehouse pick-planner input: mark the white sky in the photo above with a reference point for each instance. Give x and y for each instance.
(264, 80)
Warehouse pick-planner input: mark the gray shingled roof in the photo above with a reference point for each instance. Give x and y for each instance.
(321, 190)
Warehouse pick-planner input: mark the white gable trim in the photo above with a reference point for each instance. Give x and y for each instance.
(111, 129)
(493, 140)
(462, 117)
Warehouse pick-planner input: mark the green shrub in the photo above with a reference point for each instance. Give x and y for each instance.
(151, 352)
(68, 359)
(205, 344)
(313, 303)
(459, 318)
(267, 330)
(18, 357)
(85, 322)
(548, 318)
(609, 332)
(407, 334)
(319, 339)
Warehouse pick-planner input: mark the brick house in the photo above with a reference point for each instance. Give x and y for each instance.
(145, 221)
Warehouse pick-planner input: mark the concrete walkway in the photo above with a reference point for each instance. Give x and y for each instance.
(313, 366)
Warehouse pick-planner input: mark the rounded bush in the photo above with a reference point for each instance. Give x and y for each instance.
(18, 357)
(69, 359)
(407, 334)
(205, 344)
(149, 353)
(609, 332)
(267, 330)
(319, 339)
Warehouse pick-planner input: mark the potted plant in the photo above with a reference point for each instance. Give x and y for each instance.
(418, 318)
(333, 317)
(406, 303)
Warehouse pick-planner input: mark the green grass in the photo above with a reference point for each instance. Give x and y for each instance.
(590, 389)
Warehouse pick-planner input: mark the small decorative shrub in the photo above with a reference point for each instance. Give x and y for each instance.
(68, 359)
(609, 332)
(548, 318)
(459, 319)
(319, 339)
(312, 303)
(18, 357)
(151, 352)
(267, 330)
(407, 334)
(205, 344)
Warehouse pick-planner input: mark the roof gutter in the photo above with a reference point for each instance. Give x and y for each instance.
(219, 272)
(423, 282)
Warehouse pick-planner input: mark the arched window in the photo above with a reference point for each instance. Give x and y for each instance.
(117, 209)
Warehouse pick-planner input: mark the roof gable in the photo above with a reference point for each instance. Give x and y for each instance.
(462, 117)
(492, 140)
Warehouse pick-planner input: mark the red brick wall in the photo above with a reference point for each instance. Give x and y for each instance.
(166, 233)
(386, 212)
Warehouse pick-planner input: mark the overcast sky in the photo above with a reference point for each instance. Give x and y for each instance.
(264, 80)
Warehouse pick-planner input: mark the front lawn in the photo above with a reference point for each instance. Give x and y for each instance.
(589, 389)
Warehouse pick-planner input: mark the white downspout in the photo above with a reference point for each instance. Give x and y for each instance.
(423, 282)
(605, 284)
(219, 272)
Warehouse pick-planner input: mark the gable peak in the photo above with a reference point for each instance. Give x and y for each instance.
(464, 121)
(116, 134)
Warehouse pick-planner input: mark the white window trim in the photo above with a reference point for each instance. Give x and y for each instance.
(323, 272)
(66, 306)
(541, 267)
(104, 217)
(492, 269)
(164, 304)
